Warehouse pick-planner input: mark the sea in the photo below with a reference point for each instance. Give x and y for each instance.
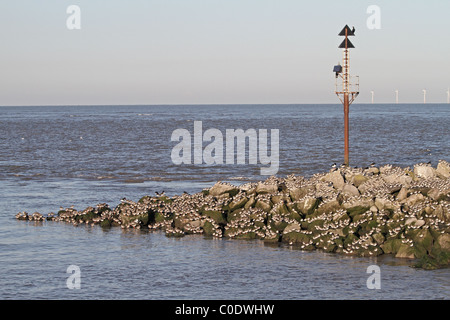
(62, 156)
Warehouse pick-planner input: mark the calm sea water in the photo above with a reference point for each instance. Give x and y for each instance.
(83, 155)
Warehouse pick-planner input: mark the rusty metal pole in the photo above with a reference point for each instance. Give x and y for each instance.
(347, 90)
(346, 129)
(346, 103)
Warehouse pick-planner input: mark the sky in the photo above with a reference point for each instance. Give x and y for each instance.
(219, 51)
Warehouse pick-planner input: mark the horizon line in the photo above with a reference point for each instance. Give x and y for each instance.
(215, 104)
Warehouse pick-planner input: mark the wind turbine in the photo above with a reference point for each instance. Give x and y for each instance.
(424, 96)
(448, 95)
(396, 96)
(372, 95)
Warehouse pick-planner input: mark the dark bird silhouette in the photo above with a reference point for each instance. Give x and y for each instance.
(353, 30)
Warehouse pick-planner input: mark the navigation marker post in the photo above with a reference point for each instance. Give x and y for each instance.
(347, 90)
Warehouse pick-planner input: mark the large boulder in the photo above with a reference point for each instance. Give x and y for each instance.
(215, 215)
(292, 227)
(222, 188)
(402, 194)
(263, 205)
(358, 180)
(300, 193)
(264, 188)
(437, 194)
(444, 242)
(424, 171)
(298, 238)
(403, 179)
(330, 206)
(237, 203)
(336, 178)
(443, 169)
(405, 252)
(358, 206)
(385, 204)
(413, 199)
(424, 239)
(350, 190)
(308, 205)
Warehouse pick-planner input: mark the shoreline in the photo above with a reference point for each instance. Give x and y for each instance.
(352, 211)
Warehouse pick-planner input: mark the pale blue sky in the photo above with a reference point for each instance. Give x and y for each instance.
(218, 51)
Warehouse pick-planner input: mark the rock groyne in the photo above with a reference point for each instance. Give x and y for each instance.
(352, 211)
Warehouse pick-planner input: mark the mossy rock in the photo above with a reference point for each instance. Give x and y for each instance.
(294, 215)
(250, 203)
(391, 245)
(400, 216)
(347, 230)
(272, 239)
(341, 217)
(295, 237)
(282, 210)
(328, 207)
(106, 223)
(103, 209)
(371, 251)
(437, 259)
(310, 204)
(165, 199)
(235, 215)
(434, 233)
(88, 216)
(158, 217)
(427, 263)
(217, 216)
(237, 204)
(278, 198)
(298, 238)
(180, 222)
(406, 251)
(443, 242)
(263, 205)
(299, 193)
(323, 243)
(228, 231)
(423, 238)
(144, 198)
(358, 210)
(420, 251)
(260, 224)
(367, 227)
(339, 241)
(379, 238)
(359, 179)
(313, 226)
(278, 226)
(247, 236)
(349, 239)
(208, 229)
(358, 217)
(142, 218)
(411, 233)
